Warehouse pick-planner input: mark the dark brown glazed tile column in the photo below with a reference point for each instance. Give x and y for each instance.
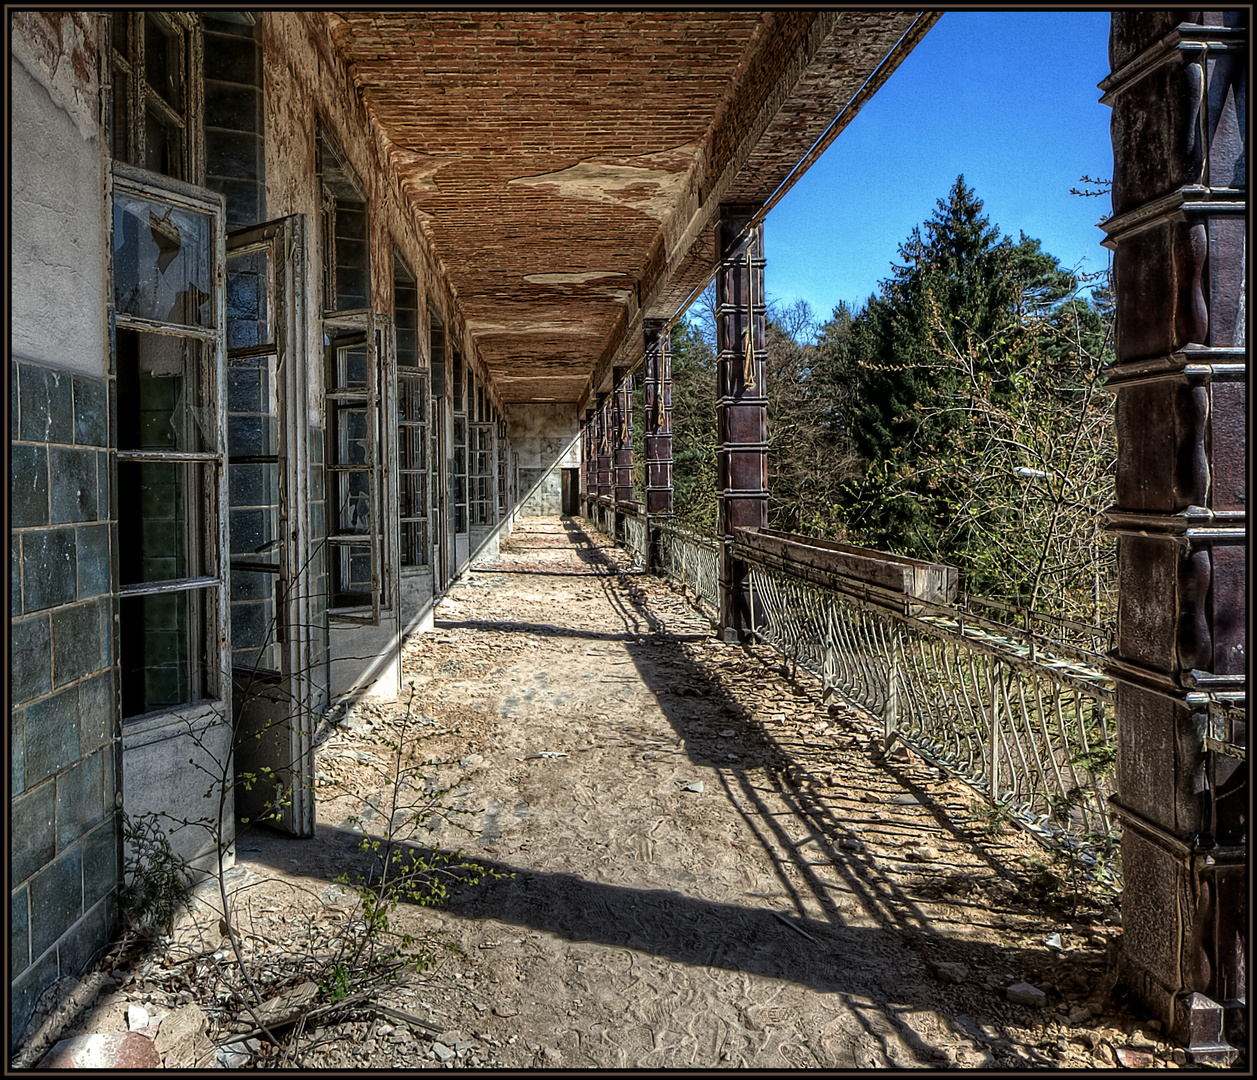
(604, 445)
(622, 434)
(658, 423)
(1178, 93)
(589, 461)
(741, 407)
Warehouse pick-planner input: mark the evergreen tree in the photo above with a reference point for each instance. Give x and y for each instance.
(976, 368)
(693, 429)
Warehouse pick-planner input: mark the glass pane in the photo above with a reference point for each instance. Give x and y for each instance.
(352, 574)
(161, 505)
(163, 261)
(163, 62)
(252, 426)
(121, 108)
(162, 647)
(414, 543)
(163, 146)
(164, 400)
(254, 523)
(118, 33)
(353, 502)
(253, 630)
(250, 300)
(351, 366)
(411, 402)
(351, 435)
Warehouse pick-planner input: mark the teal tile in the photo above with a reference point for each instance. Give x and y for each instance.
(80, 800)
(15, 575)
(74, 484)
(19, 932)
(49, 568)
(31, 837)
(113, 413)
(47, 405)
(52, 735)
(111, 755)
(28, 485)
(89, 937)
(104, 504)
(96, 712)
(30, 658)
(90, 411)
(101, 868)
(17, 751)
(76, 645)
(25, 992)
(56, 899)
(106, 632)
(94, 564)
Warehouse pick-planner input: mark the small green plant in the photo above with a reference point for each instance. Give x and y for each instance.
(993, 820)
(336, 984)
(1099, 760)
(401, 871)
(157, 882)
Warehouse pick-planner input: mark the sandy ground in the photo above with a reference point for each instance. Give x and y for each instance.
(706, 866)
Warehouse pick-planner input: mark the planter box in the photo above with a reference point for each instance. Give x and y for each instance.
(846, 567)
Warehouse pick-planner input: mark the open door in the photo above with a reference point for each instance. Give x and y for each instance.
(269, 540)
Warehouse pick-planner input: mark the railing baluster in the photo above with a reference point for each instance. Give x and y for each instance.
(949, 683)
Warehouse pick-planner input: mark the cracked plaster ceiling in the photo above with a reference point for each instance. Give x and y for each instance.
(566, 166)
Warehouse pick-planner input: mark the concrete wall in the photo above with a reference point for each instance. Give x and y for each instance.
(65, 822)
(547, 440)
(57, 199)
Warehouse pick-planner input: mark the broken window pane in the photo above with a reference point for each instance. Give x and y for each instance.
(163, 261)
(353, 502)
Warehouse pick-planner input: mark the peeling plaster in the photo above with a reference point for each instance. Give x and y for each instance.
(59, 49)
(581, 278)
(655, 192)
(526, 324)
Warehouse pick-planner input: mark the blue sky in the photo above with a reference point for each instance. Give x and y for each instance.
(1009, 99)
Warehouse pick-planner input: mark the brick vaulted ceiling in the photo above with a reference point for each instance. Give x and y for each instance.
(568, 166)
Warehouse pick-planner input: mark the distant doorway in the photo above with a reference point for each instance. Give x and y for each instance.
(571, 491)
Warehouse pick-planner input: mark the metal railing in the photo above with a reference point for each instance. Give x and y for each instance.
(1032, 731)
(1022, 713)
(694, 560)
(1049, 630)
(636, 538)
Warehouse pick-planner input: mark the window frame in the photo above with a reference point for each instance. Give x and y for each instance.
(412, 431)
(373, 398)
(210, 684)
(139, 97)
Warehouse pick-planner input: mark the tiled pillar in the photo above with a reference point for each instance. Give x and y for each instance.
(1178, 232)
(741, 408)
(65, 822)
(658, 422)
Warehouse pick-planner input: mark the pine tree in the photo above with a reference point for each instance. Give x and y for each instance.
(975, 366)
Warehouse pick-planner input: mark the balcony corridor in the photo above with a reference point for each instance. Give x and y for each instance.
(709, 868)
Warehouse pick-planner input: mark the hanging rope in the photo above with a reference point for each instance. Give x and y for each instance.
(748, 356)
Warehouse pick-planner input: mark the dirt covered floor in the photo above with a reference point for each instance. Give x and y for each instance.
(702, 866)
